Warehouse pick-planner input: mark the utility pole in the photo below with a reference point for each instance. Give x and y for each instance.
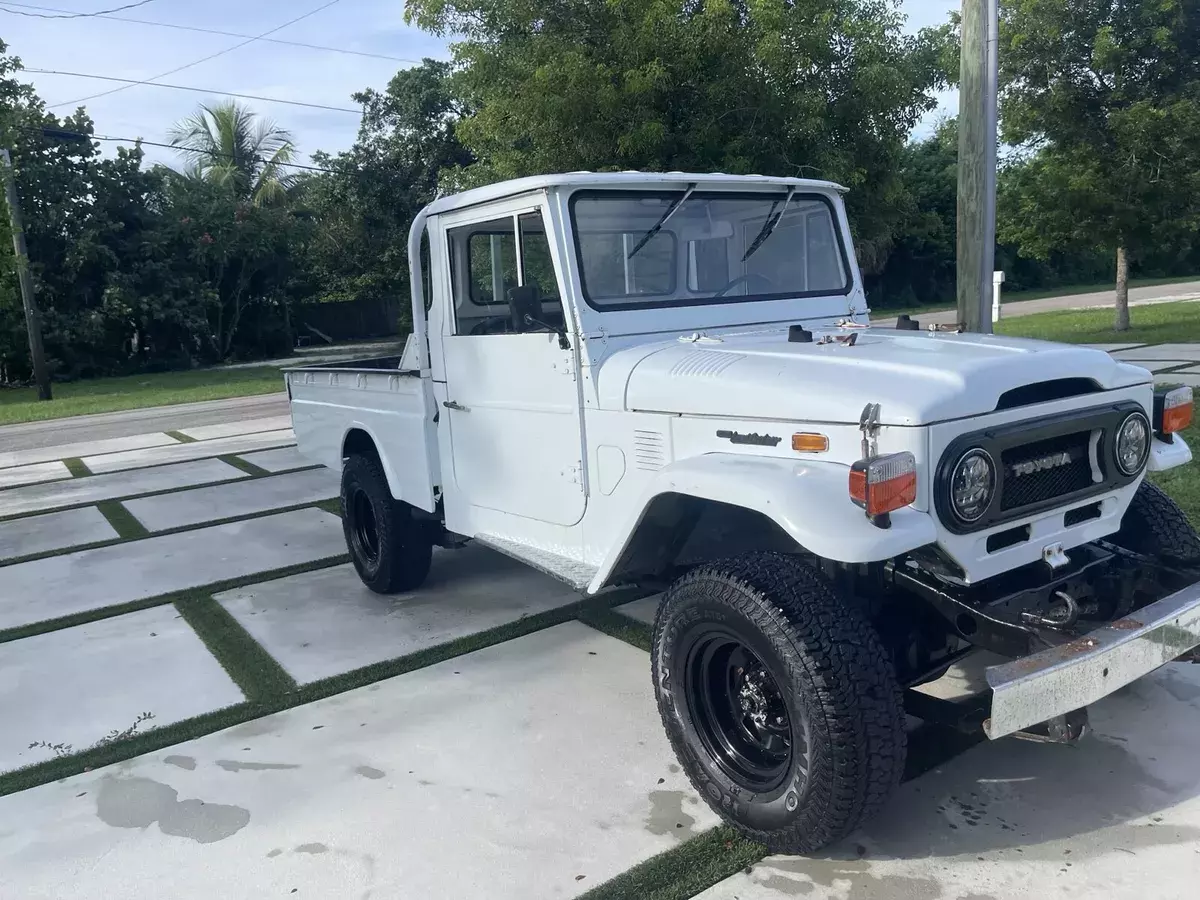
(977, 116)
(33, 322)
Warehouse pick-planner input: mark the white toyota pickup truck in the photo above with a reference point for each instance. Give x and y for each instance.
(668, 380)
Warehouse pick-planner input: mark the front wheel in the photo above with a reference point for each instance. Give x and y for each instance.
(389, 548)
(1154, 525)
(778, 699)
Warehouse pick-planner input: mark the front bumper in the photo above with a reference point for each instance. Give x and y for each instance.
(1054, 682)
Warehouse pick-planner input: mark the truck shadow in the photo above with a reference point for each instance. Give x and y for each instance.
(1111, 792)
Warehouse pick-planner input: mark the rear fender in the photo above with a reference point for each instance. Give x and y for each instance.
(809, 501)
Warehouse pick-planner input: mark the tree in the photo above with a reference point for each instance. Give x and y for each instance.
(362, 209)
(1102, 98)
(822, 88)
(228, 144)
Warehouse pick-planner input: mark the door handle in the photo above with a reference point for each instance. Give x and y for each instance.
(450, 404)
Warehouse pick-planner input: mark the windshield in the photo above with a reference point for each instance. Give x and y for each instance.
(687, 247)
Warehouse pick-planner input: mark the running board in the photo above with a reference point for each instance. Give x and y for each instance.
(575, 573)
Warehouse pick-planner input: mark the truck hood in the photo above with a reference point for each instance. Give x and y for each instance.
(917, 377)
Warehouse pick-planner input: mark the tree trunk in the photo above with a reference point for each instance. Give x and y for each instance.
(1122, 320)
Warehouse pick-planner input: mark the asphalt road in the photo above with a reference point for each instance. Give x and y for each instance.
(33, 435)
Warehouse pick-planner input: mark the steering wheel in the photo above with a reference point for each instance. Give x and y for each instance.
(749, 276)
(494, 325)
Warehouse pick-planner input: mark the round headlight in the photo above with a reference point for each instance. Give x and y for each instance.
(972, 485)
(1133, 443)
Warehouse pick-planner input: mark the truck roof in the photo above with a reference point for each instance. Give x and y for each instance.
(670, 180)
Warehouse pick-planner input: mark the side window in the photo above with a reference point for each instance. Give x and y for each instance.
(487, 260)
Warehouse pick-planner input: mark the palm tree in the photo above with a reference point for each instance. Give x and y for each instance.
(227, 143)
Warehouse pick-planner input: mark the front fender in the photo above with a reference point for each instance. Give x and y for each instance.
(809, 500)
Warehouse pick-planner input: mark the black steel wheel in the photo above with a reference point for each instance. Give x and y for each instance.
(779, 700)
(739, 710)
(391, 551)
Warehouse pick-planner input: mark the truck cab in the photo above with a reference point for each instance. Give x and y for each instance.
(670, 380)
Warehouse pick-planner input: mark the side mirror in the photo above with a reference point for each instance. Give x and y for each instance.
(524, 304)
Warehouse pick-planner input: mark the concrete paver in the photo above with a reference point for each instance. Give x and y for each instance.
(85, 448)
(78, 685)
(1184, 352)
(1177, 378)
(33, 474)
(92, 579)
(1116, 817)
(79, 491)
(238, 498)
(323, 623)
(283, 459)
(1158, 365)
(154, 456)
(244, 426)
(1109, 348)
(139, 422)
(53, 531)
(643, 610)
(535, 768)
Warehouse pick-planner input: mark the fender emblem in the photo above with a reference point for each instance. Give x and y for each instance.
(761, 440)
(1041, 464)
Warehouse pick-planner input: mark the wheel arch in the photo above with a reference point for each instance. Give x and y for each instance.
(788, 504)
(360, 439)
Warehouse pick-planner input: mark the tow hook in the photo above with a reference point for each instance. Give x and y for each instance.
(1067, 729)
(1066, 621)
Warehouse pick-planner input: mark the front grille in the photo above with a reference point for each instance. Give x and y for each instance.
(1036, 472)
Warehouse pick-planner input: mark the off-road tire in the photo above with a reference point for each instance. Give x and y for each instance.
(402, 546)
(1156, 526)
(829, 664)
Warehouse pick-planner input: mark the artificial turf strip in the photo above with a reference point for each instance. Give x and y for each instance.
(331, 506)
(618, 625)
(77, 467)
(107, 612)
(168, 735)
(122, 520)
(248, 467)
(250, 666)
(684, 871)
(180, 436)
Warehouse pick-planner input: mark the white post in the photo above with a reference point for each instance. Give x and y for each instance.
(997, 280)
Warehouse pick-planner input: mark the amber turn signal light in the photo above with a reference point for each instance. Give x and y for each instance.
(1172, 410)
(809, 442)
(884, 483)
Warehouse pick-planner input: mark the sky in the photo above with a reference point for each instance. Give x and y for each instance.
(123, 49)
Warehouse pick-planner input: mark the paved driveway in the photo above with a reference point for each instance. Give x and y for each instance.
(200, 699)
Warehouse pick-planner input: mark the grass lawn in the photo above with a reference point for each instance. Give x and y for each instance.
(1155, 324)
(100, 395)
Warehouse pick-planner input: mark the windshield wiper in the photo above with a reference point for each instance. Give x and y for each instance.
(646, 238)
(769, 225)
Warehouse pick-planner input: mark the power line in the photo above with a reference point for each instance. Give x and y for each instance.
(70, 15)
(197, 62)
(197, 90)
(4, 4)
(76, 136)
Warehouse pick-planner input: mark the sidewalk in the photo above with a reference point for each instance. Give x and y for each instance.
(1163, 293)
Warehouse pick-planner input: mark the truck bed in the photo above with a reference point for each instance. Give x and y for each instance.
(369, 403)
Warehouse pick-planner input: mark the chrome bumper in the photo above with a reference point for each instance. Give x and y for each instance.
(1054, 682)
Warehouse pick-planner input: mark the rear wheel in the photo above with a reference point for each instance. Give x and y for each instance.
(1156, 526)
(779, 700)
(390, 549)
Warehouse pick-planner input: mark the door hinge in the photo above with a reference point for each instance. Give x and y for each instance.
(574, 474)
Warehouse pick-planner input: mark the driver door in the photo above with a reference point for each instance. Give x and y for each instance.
(512, 398)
